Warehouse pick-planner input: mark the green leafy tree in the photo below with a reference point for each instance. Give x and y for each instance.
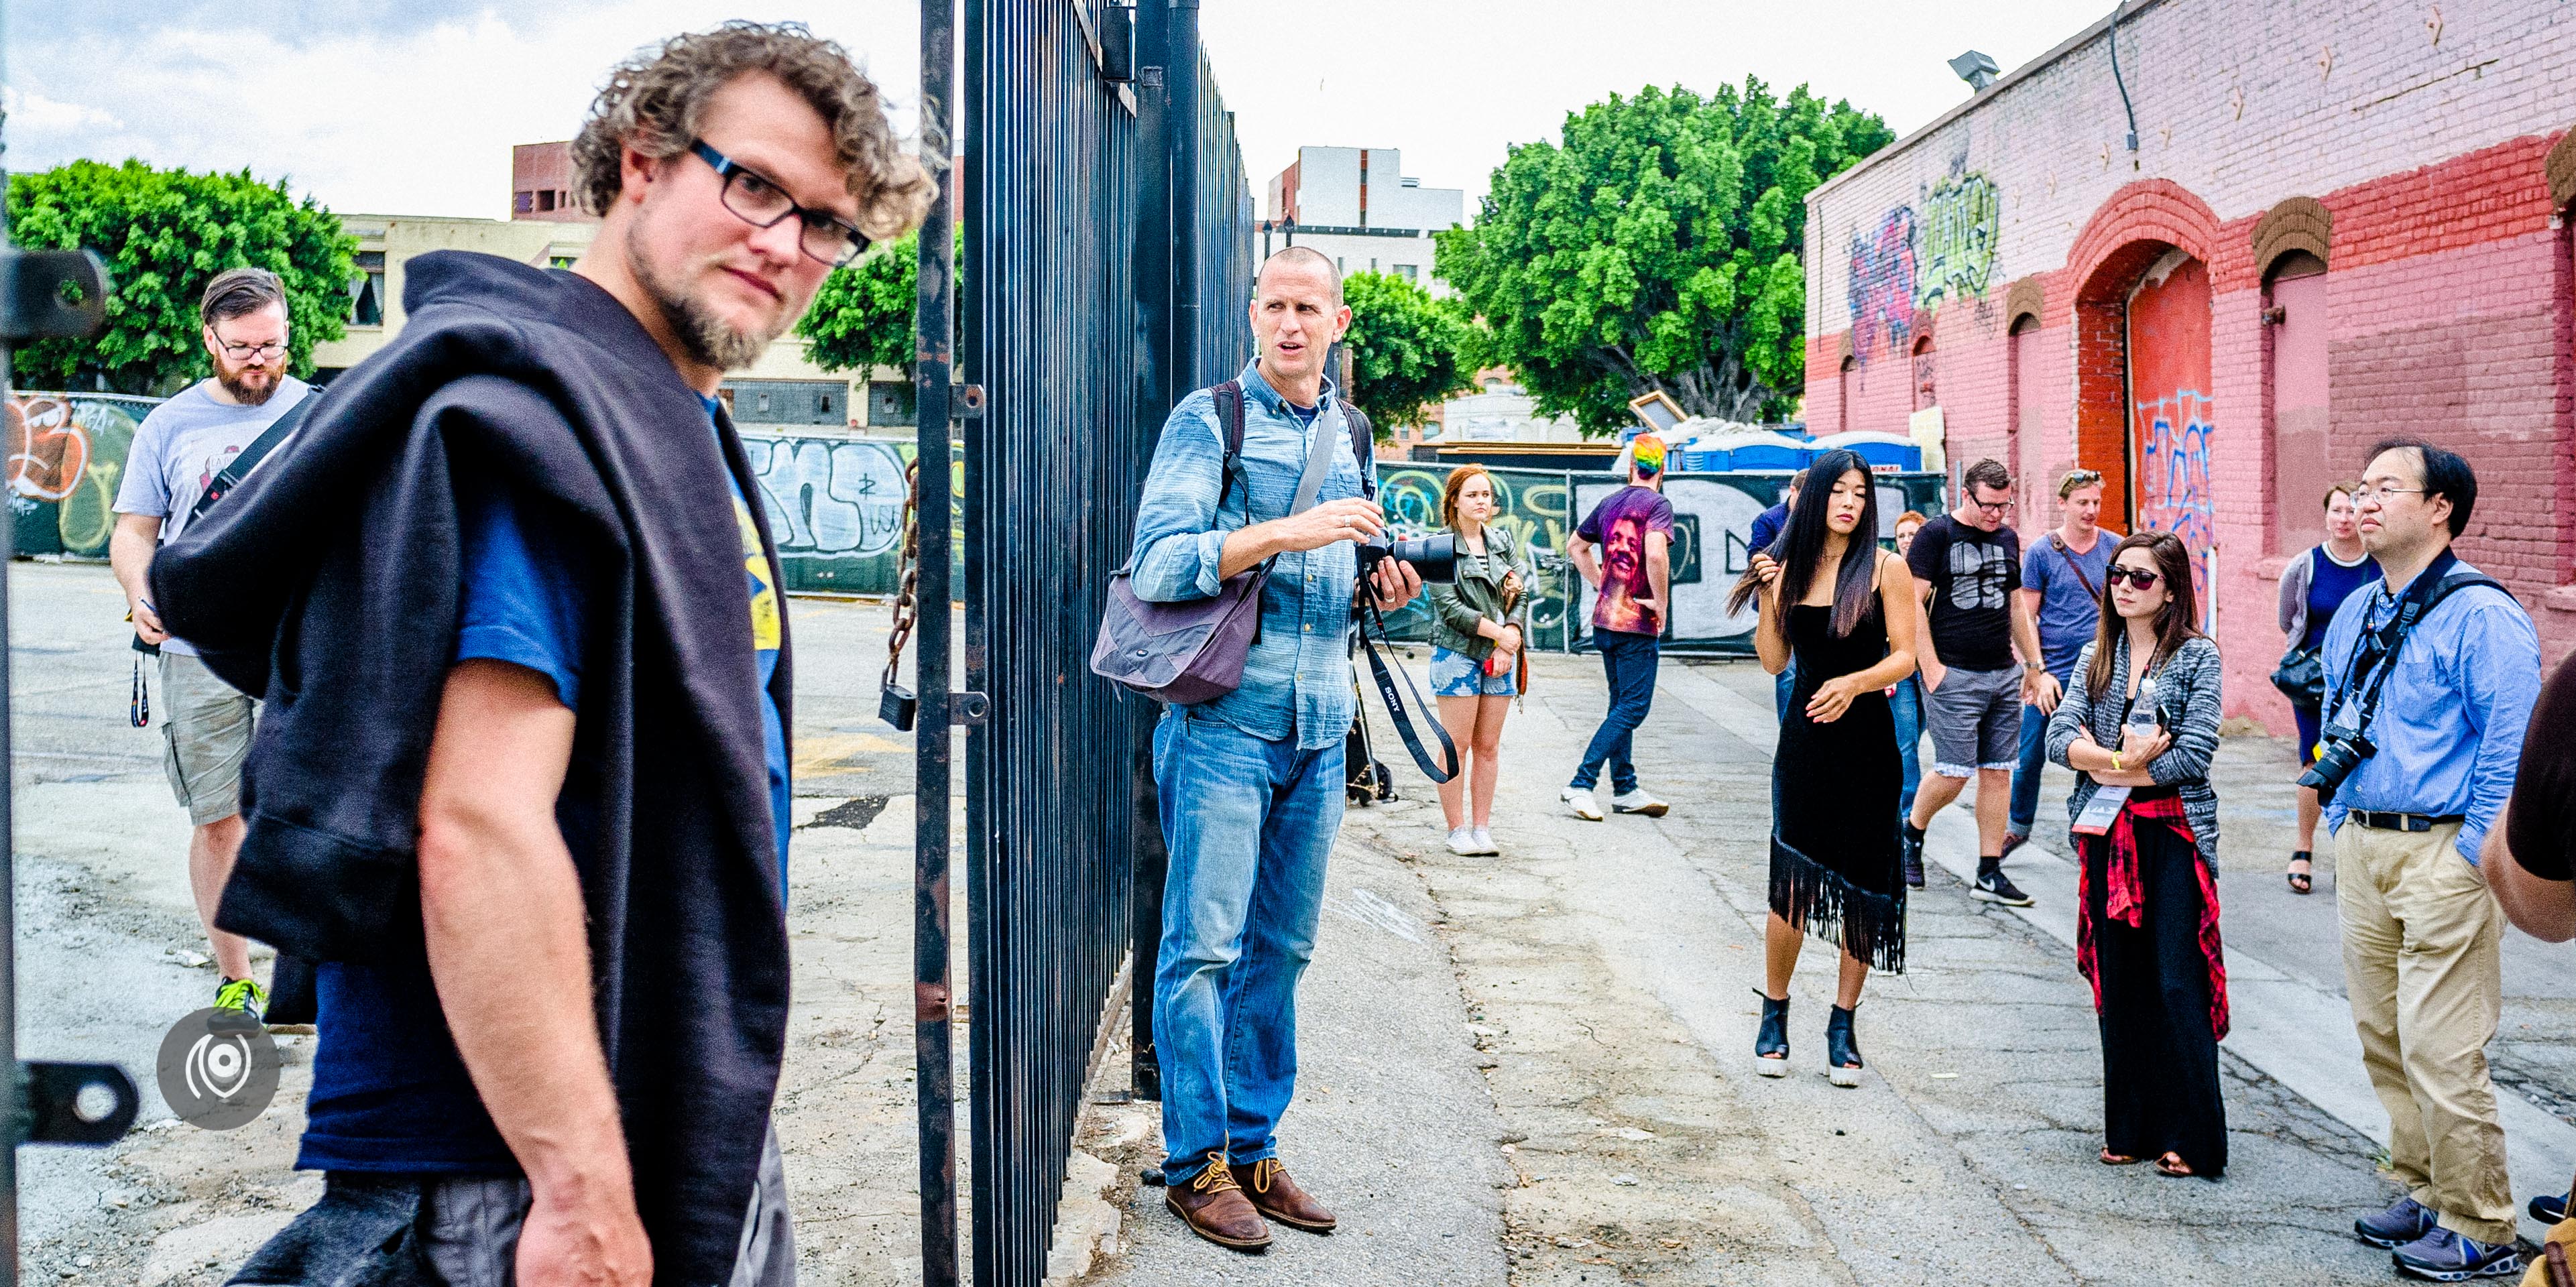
(1408, 350)
(1656, 246)
(164, 235)
(862, 316)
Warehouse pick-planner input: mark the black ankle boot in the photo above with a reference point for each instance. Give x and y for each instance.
(1842, 1051)
(1771, 1045)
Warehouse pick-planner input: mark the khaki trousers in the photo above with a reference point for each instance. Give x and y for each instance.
(2421, 933)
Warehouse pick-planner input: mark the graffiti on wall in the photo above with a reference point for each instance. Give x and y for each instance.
(66, 456)
(1919, 261)
(1958, 226)
(2174, 493)
(828, 498)
(1880, 294)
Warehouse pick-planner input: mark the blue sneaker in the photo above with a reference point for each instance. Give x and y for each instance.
(2548, 1208)
(2403, 1222)
(2446, 1257)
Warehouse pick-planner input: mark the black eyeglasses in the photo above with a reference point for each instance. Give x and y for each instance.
(2139, 577)
(760, 202)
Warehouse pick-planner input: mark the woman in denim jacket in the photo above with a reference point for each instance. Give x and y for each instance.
(1478, 627)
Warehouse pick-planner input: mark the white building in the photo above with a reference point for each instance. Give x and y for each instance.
(1501, 412)
(1357, 205)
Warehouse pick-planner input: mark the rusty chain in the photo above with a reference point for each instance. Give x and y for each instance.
(907, 605)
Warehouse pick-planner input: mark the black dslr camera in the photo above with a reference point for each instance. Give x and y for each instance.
(1435, 558)
(2343, 750)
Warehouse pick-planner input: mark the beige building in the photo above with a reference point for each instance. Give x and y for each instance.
(783, 388)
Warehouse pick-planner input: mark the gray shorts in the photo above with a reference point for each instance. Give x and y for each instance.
(1975, 721)
(205, 733)
(463, 1231)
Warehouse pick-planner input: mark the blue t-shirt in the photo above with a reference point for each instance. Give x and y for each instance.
(2329, 584)
(2070, 606)
(390, 1093)
(1766, 527)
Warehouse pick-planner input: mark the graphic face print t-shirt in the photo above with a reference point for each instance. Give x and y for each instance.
(1973, 574)
(1620, 525)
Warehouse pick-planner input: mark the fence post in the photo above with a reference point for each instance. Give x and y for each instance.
(934, 1065)
(1154, 397)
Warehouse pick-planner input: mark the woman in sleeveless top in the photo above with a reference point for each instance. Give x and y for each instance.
(1844, 610)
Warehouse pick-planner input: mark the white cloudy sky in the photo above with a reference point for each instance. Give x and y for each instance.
(410, 106)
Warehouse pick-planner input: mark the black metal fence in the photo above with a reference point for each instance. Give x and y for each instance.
(1069, 231)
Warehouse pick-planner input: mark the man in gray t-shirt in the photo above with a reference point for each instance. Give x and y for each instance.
(176, 453)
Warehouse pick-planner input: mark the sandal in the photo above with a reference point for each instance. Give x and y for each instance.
(1771, 1044)
(2173, 1165)
(2302, 881)
(2108, 1158)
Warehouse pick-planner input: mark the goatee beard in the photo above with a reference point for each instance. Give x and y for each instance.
(708, 338)
(245, 394)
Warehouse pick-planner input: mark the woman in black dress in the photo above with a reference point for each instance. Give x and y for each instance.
(1844, 609)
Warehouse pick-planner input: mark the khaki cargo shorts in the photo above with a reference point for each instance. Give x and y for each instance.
(205, 731)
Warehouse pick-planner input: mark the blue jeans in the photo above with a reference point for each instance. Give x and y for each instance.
(2034, 757)
(1907, 705)
(1630, 659)
(1249, 824)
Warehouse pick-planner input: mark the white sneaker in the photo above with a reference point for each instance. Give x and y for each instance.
(1583, 804)
(1485, 842)
(1462, 841)
(1638, 801)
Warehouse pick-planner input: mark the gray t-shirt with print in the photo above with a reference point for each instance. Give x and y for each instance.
(182, 445)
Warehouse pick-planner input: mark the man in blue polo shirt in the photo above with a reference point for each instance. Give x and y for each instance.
(2421, 932)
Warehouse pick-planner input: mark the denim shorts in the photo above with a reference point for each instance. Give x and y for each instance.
(1455, 674)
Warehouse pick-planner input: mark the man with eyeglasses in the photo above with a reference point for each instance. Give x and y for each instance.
(176, 452)
(523, 790)
(1969, 562)
(2421, 930)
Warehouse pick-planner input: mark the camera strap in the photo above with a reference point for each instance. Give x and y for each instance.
(2376, 656)
(1395, 708)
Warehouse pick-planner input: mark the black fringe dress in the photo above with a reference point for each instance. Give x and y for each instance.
(1834, 869)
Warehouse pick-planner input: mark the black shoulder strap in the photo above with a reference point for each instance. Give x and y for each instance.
(239, 467)
(1363, 446)
(2380, 648)
(1229, 406)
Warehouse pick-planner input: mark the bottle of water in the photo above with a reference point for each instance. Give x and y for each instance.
(2143, 715)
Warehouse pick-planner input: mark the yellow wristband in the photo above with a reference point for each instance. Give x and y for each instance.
(2115, 763)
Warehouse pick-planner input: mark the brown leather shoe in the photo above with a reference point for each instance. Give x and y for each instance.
(1279, 1197)
(1213, 1205)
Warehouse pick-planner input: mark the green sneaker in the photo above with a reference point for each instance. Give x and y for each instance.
(245, 995)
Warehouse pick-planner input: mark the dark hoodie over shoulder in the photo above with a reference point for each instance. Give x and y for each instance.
(327, 584)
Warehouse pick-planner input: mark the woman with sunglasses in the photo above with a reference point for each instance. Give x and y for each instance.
(2138, 727)
(1843, 609)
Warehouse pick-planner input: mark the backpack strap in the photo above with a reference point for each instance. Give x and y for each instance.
(1363, 446)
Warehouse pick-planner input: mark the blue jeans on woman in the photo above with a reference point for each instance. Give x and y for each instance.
(1249, 824)
(1908, 706)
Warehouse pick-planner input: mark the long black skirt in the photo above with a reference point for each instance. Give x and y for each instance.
(2159, 1056)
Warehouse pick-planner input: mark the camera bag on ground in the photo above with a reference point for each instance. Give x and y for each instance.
(2372, 662)
(1193, 651)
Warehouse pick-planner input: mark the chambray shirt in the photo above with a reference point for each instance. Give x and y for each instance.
(2450, 723)
(1297, 679)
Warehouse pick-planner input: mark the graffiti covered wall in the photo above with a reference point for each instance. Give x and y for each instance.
(66, 458)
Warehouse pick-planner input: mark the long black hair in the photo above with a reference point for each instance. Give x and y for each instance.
(1800, 547)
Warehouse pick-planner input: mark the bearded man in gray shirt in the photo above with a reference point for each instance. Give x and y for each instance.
(176, 453)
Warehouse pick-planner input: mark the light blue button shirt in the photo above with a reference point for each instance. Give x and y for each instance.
(2450, 723)
(1297, 678)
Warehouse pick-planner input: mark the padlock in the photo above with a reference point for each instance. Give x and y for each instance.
(897, 706)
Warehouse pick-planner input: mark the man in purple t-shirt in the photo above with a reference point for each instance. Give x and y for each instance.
(1631, 576)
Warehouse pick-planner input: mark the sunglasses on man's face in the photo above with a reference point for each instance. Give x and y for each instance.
(2139, 577)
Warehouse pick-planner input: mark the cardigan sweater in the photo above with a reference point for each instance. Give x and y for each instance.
(2187, 693)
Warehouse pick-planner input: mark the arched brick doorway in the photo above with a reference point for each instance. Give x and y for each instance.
(2144, 413)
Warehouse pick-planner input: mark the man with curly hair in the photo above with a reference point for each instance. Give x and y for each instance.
(523, 790)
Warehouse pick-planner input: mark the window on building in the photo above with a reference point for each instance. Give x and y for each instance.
(2303, 446)
(561, 261)
(545, 199)
(1407, 271)
(523, 201)
(367, 290)
(2025, 414)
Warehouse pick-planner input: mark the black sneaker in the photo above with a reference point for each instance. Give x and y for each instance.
(1910, 844)
(2548, 1208)
(1993, 886)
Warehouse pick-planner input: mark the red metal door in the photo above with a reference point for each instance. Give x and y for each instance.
(2170, 415)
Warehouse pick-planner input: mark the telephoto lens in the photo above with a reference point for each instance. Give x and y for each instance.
(1434, 558)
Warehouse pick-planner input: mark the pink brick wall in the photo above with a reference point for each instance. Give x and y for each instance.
(2449, 287)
